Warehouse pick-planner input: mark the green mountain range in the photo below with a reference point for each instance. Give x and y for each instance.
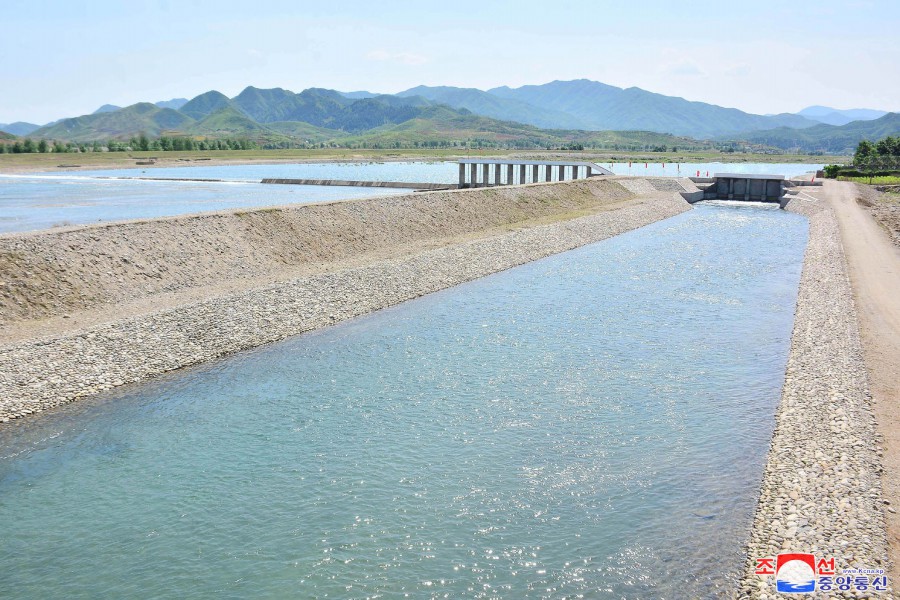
(834, 116)
(206, 104)
(599, 106)
(490, 105)
(118, 124)
(441, 124)
(226, 122)
(829, 139)
(273, 114)
(19, 128)
(560, 112)
(106, 108)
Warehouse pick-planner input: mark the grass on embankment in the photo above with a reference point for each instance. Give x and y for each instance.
(878, 180)
(11, 163)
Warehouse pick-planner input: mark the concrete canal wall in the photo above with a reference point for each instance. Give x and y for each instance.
(326, 263)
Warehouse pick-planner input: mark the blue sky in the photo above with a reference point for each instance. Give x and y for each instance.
(66, 58)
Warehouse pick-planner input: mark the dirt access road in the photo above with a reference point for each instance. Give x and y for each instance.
(874, 265)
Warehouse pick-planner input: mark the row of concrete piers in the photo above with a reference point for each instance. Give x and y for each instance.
(486, 173)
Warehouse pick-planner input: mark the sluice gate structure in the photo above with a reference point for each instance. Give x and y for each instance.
(740, 186)
(748, 187)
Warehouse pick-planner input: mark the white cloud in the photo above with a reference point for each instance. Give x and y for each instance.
(739, 70)
(404, 58)
(684, 68)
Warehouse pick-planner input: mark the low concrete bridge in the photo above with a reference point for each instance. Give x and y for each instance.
(518, 172)
(481, 172)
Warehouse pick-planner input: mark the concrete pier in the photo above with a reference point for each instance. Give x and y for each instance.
(492, 171)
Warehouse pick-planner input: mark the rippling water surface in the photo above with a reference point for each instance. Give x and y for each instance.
(594, 423)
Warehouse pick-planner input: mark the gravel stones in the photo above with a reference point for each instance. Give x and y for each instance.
(821, 490)
(49, 273)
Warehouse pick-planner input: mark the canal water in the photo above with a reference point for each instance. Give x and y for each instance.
(591, 424)
(42, 201)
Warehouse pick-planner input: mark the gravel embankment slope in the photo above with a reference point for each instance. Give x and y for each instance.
(58, 271)
(48, 371)
(821, 489)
